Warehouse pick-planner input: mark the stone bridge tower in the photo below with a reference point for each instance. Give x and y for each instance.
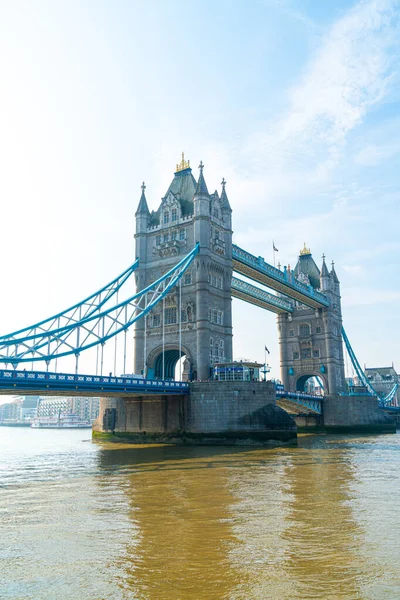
(311, 340)
(187, 214)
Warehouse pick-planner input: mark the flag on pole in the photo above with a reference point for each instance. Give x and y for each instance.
(266, 350)
(275, 249)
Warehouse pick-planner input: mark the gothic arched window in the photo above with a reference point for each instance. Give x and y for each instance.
(174, 215)
(304, 329)
(166, 217)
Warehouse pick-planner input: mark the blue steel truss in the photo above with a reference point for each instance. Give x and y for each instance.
(77, 312)
(363, 378)
(284, 282)
(386, 401)
(254, 295)
(94, 329)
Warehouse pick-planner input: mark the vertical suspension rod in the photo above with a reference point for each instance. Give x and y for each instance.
(180, 329)
(145, 339)
(163, 335)
(125, 334)
(115, 343)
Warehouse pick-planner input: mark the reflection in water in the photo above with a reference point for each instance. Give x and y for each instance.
(111, 522)
(323, 537)
(180, 503)
(217, 523)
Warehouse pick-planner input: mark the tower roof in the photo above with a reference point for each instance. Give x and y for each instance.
(306, 265)
(324, 269)
(142, 208)
(333, 273)
(224, 197)
(201, 184)
(183, 186)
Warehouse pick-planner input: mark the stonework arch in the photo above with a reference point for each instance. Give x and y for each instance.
(300, 380)
(171, 357)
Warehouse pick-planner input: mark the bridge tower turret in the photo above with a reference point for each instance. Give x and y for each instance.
(311, 339)
(195, 320)
(142, 216)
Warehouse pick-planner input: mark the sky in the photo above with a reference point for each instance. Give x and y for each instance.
(295, 102)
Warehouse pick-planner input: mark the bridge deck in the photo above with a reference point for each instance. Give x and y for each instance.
(254, 295)
(64, 384)
(257, 269)
(291, 401)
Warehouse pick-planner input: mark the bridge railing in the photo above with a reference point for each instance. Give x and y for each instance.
(301, 395)
(285, 277)
(38, 377)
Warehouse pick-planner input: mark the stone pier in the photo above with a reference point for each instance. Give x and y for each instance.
(356, 414)
(215, 413)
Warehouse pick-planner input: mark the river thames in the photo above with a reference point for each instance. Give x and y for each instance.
(102, 521)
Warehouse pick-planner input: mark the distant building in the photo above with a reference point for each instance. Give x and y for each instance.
(22, 408)
(10, 411)
(28, 407)
(86, 408)
(383, 379)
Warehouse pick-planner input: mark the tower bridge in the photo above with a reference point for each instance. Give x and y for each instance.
(181, 312)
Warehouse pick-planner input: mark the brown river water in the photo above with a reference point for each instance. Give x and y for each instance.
(101, 521)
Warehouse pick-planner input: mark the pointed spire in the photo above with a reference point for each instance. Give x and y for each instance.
(333, 273)
(324, 268)
(201, 188)
(224, 197)
(142, 208)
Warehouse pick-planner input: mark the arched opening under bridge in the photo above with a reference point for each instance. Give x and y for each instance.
(173, 363)
(165, 367)
(311, 384)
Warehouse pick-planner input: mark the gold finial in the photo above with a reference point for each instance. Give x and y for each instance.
(184, 164)
(305, 250)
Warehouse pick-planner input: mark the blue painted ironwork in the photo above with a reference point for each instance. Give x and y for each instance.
(385, 402)
(360, 373)
(391, 409)
(95, 329)
(13, 381)
(254, 295)
(363, 378)
(282, 281)
(77, 312)
(309, 401)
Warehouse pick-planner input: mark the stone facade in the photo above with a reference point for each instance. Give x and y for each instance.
(356, 414)
(311, 340)
(202, 301)
(213, 413)
(383, 379)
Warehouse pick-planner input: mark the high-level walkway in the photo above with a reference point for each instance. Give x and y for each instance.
(281, 281)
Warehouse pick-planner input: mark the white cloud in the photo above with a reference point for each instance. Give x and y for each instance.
(287, 8)
(350, 73)
(363, 296)
(373, 154)
(374, 250)
(354, 269)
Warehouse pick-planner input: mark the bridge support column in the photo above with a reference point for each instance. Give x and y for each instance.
(215, 412)
(143, 418)
(353, 414)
